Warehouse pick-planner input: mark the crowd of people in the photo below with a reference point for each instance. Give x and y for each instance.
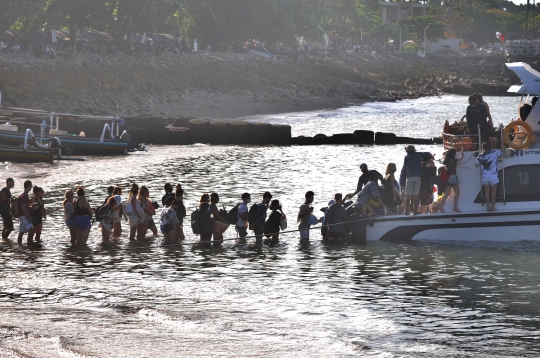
(343, 219)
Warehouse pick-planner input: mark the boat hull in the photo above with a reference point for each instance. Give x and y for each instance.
(80, 146)
(480, 226)
(19, 155)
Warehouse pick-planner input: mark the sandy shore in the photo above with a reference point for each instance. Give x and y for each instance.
(224, 106)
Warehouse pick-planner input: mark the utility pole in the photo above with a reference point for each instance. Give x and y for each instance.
(425, 43)
(399, 38)
(527, 19)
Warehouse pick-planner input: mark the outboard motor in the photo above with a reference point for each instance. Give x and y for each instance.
(56, 143)
(132, 146)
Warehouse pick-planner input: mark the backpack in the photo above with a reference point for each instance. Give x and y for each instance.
(253, 213)
(195, 216)
(445, 175)
(14, 207)
(233, 215)
(100, 217)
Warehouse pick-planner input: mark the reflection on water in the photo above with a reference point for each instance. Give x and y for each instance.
(145, 299)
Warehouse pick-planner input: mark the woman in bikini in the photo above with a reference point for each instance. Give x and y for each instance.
(83, 213)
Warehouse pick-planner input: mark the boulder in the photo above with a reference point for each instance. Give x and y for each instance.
(219, 132)
(281, 134)
(260, 133)
(198, 130)
(364, 137)
(408, 140)
(320, 139)
(342, 138)
(385, 138)
(301, 140)
(179, 136)
(239, 132)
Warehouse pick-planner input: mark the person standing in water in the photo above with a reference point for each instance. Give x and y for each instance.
(118, 212)
(37, 212)
(143, 202)
(272, 225)
(5, 199)
(25, 221)
(180, 214)
(258, 222)
(242, 222)
(220, 223)
(83, 213)
(133, 211)
(69, 215)
(304, 214)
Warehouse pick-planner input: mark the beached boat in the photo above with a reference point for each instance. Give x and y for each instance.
(518, 198)
(114, 145)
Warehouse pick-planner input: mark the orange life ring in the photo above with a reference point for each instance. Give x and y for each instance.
(528, 140)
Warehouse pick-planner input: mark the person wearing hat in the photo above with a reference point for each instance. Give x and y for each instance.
(364, 179)
(410, 178)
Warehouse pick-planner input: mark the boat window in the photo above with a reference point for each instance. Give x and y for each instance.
(522, 184)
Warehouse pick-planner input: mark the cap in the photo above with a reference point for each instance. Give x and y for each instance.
(410, 148)
(331, 202)
(363, 166)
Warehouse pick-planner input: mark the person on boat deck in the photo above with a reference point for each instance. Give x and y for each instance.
(336, 219)
(391, 192)
(428, 175)
(450, 162)
(487, 161)
(168, 193)
(410, 178)
(5, 198)
(441, 187)
(472, 101)
(363, 180)
(25, 222)
(370, 191)
(483, 103)
(476, 117)
(525, 109)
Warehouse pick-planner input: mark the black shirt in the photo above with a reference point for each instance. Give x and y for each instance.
(364, 178)
(476, 116)
(165, 197)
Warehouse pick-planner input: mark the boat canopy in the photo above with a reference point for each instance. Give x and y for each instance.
(529, 76)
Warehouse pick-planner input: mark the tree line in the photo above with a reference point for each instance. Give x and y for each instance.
(225, 22)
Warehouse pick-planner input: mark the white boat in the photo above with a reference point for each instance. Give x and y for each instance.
(518, 199)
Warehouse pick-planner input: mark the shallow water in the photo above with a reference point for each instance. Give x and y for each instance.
(145, 299)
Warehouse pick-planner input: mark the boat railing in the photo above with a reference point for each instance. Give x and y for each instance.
(34, 139)
(105, 128)
(470, 142)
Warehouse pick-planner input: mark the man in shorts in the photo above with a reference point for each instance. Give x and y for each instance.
(487, 161)
(410, 178)
(258, 224)
(5, 198)
(25, 223)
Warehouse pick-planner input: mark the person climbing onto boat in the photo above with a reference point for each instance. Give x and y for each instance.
(410, 178)
(487, 161)
(304, 214)
(25, 221)
(169, 220)
(83, 213)
(134, 211)
(180, 214)
(168, 193)
(257, 216)
(272, 225)
(5, 198)
(370, 191)
(118, 212)
(37, 212)
(391, 193)
(336, 219)
(69, 215)
(363, 180)
(428, 175)
(450, 162)
(242, 222)
(144, 204)
(107, 219)
(221, 224)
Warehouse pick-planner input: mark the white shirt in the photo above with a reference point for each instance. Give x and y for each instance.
(242, 208)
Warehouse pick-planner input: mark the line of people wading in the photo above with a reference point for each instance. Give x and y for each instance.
(343, 219)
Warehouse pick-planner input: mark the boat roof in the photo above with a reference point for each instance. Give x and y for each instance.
(12, 110)
(529, 76)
